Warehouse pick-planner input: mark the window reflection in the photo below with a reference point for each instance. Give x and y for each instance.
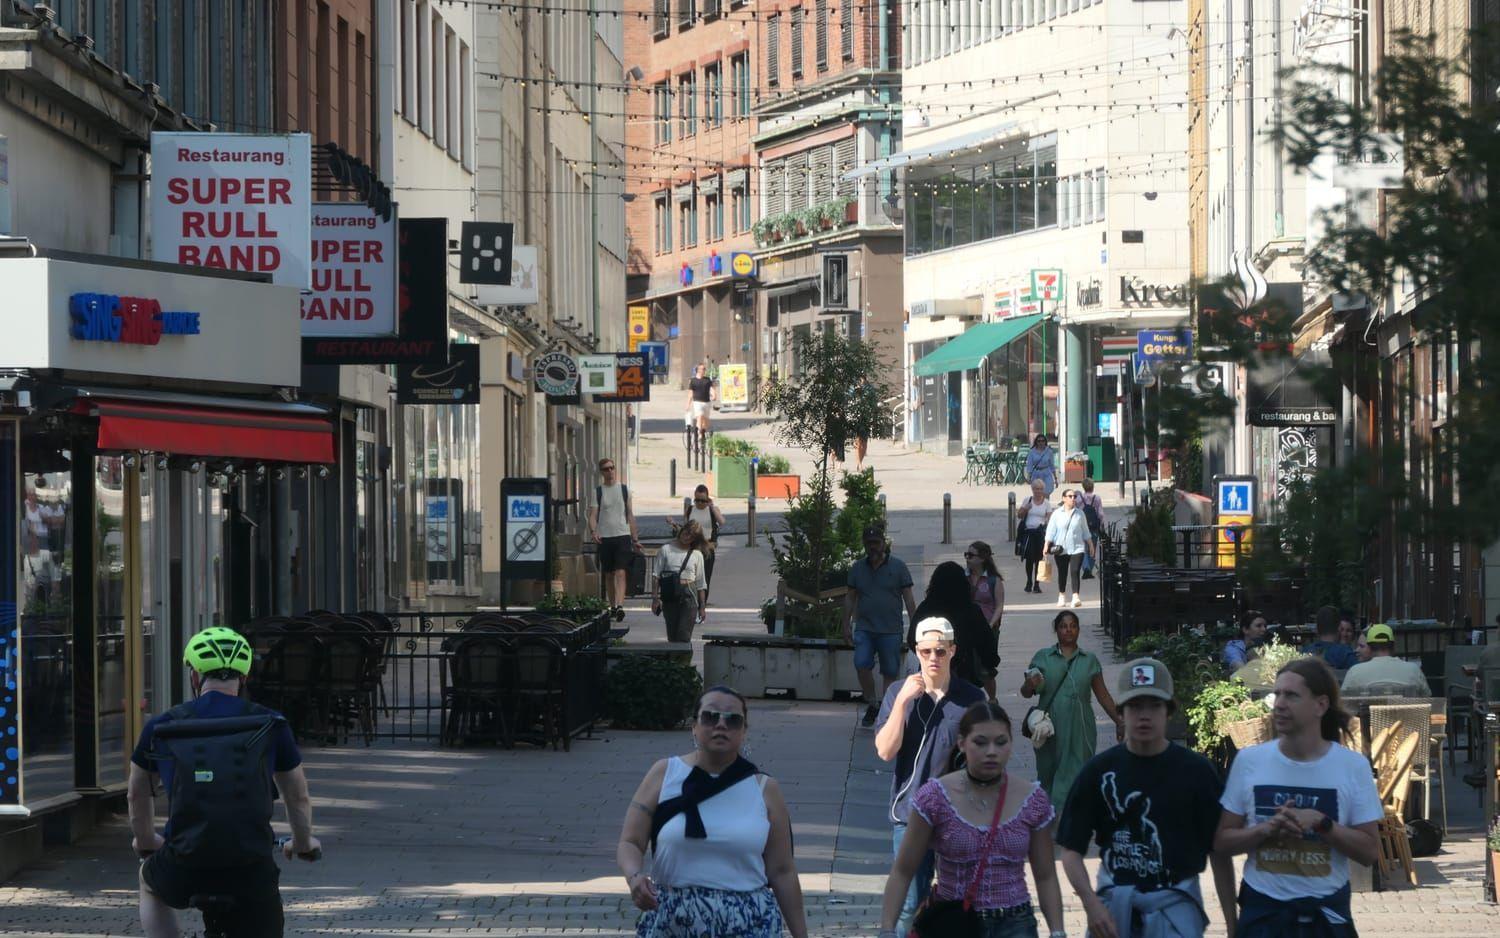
(109, 604)
(46, 624)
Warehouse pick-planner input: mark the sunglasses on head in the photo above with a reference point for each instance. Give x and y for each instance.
(710, 718)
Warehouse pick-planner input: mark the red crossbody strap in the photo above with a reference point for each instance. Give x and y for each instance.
(984, 852)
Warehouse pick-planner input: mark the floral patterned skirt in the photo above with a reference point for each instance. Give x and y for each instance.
(695, 912)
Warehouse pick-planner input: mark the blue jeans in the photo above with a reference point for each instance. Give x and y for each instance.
(921, 883)
(886, 645)
(1019, 922)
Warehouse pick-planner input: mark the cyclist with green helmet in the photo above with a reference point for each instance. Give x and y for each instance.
(218, 839)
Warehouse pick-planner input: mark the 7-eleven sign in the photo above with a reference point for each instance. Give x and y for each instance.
(1047, 284)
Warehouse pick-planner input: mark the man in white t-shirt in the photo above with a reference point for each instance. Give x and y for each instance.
(612, 527)
(1301, 806)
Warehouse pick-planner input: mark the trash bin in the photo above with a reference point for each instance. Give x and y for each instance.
(1102, 461)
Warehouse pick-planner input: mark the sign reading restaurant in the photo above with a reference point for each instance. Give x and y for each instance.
(234, 202)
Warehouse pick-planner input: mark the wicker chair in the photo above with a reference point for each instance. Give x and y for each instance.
(1416, 718)
(1393, 788)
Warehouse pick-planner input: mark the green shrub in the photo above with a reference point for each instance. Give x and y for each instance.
(1190, 658)
(774, 464)
(733, 446)
(1219, 704)
(645, 692)
(1150, 535)
(580, 607)
(861, 509)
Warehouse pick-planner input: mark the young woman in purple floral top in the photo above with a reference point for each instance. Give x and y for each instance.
(951, 816)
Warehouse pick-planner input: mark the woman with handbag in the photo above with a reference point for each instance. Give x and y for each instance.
(983, 825)
(1062, 725)
(1068, 540)
(1035, 512)
(709, 518)
(679, 589)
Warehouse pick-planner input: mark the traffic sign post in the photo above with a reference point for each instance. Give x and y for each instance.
(1235, 498)
(523, 531)
(1143, 372)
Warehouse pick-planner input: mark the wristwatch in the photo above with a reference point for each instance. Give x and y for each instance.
(1323, 826)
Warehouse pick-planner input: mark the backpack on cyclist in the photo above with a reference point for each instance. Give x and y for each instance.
(222, 793)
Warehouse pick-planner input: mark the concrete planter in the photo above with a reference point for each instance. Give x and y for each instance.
(777, 485)
(756, 666)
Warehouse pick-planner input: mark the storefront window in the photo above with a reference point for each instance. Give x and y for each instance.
(110, 595)
(47, 624)
(9, 661)
(1006, 190)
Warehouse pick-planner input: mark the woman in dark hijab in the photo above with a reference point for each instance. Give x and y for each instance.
(949, 596)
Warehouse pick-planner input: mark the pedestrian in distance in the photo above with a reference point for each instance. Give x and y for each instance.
(1033, 532)
(1383, 674)
(612, 527)
(719, 835)
(1339, 656)
(704, 393)
(917, 730)
(1061, 725)
(679, 591)
(1152, 807)
(987, 587)
(974, 658)
(710, 519)
(1041, 463)
(1239, 652)
(1092, 506)
(218, 838)
(1068, 541)
(879, 588)
(982, 825)
(1301, 807)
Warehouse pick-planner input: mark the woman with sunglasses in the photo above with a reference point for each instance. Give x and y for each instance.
(679, 588)
(720, 838)
(710, 519)
(954, 816)
(1067, 540)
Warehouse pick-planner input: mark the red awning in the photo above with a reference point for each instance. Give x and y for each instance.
(187, 430)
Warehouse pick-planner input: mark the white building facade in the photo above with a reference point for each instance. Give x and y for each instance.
(1044, 186)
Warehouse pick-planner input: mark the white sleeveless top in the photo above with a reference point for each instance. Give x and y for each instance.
(705, 519)
(731, 856)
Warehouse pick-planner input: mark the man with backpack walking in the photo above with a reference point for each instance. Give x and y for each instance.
(221, 760)
(612, 527)
(1092, 507)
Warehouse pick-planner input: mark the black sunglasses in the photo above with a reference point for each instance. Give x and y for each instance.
(606, 468)
(710, 718)
(969, 553)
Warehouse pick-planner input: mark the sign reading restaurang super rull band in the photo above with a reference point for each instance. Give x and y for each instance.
(234, 202)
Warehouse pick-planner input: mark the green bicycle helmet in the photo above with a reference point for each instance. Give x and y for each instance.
(217, 649)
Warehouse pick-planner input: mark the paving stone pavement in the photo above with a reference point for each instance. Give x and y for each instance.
(424, 841)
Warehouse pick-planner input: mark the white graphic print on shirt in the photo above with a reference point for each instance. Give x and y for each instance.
(1136, 844)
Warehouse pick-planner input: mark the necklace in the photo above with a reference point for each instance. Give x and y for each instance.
(975, 788)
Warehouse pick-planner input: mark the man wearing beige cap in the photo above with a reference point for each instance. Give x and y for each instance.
(1385, 675)
(917, 729)
(1152, 807)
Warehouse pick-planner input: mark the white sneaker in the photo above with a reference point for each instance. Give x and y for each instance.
(1077, 601)
(1062, 600)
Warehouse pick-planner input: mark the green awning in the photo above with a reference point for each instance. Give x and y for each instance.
(966, 351)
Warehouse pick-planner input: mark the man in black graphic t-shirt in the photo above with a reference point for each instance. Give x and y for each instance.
(1152, 807)
(702, 387)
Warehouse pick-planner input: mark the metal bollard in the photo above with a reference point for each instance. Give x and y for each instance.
(750, 506)
(947, 518)
(882, 504)
(1010, 525)
(672, 478)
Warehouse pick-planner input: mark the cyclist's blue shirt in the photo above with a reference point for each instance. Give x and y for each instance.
(285, 755)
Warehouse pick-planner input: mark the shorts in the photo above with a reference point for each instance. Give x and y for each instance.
(700, 408)
(257, 912)
(887, 645)
(615, 553)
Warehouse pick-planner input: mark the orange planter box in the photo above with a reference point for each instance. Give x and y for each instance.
(778, 486)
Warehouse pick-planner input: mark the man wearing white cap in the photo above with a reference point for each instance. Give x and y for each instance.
(1152, 806)
(917, 729)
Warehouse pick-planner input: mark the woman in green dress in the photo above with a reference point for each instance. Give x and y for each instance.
(1063, 675)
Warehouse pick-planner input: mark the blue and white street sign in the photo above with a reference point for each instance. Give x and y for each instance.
(1159, 345)
(1236, 497)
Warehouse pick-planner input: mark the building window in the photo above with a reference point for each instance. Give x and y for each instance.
(687, 104)
(796, 42)
(773, 49)
(820, 50)
(687, 217)
(686, 12)
(663, 97)
(1009, 191)
(713, 207)
(663, 226)
(713, 92)
(739, 69)
(846, 29)
(661, 14)
(739, 205)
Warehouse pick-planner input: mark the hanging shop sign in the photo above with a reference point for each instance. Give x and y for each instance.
(523, 530)
(485, 252)
(353, 272)
(1164, 344)
(639, 326)
(523, 289)
(1047, 284)
(597, 373)
(234, 202)
(453, 382)
(556, 375)
(421, 303)
(632, 380)
(656, 357)
(742, 264)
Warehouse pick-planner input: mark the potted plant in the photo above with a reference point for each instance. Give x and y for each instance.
(851, 210)
(1224, 710)
(579, 607)
(774, 478)
(729, 476)
(1075, 467)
